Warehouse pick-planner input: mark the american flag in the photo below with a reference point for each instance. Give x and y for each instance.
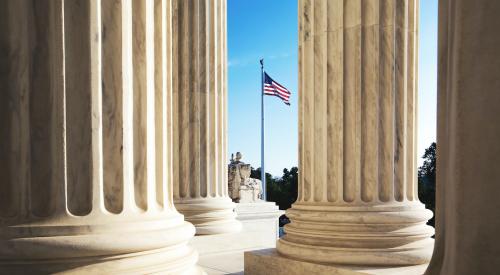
(272, 87)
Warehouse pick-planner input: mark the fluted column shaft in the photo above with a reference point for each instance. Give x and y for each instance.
(357, 199)
(200, 116)
(468, 134)
(85, 127)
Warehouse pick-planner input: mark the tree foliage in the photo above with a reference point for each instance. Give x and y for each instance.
(282, 190)
(427, 180)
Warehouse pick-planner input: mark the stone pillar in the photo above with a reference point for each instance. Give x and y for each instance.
(200, 120)
(358, 199)
(85, 130)
(468, 148)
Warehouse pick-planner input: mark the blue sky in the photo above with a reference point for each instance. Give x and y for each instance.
(268, 29)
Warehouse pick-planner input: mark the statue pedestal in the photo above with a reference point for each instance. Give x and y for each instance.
(259, 231)
(248, 194)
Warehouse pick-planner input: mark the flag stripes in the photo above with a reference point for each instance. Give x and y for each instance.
(273, 88)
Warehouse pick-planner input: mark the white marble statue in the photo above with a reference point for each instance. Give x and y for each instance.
(242, 188)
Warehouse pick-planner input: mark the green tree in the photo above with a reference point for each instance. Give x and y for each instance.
(427, 180)
(289, 183)
(282, 190)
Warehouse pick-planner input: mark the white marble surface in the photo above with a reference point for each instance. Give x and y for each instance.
(230, 263)
(468, 135)
(199, 119)
(358, 199)
(85, 140)
(223, 253)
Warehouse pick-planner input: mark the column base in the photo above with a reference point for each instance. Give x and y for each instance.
(269, 261)
(376, 235)
(211, 215)
(85, 245)
(176, 260)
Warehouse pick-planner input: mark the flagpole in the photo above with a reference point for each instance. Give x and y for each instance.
(262, 168)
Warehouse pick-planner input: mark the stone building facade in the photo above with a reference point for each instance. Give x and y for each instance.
(113, 139)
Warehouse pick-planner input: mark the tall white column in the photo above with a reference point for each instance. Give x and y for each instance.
(200, 116)
(468, 148)
(86, 132)
(358, 199)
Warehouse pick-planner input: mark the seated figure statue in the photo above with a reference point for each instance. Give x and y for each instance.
(242, 188)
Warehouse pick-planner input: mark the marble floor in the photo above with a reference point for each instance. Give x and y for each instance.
(223, 263)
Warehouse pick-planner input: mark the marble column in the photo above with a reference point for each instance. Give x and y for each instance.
(200, 116)
(358, 199)
(468, 148)
(86, 132)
